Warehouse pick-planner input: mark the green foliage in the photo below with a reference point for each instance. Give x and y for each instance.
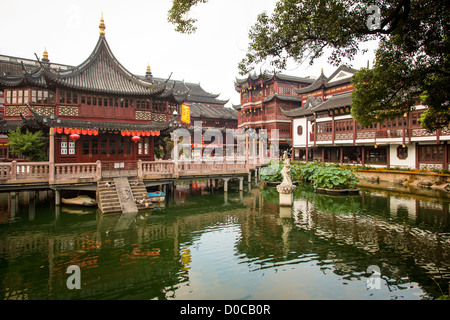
(412, 62)
(31, 145)
(163, 148)
(318, 174)
(178, 15)
(303, 30)
(272, 173)
(331, 177)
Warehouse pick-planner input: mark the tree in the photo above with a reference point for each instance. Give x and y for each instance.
(163, 147)
(29, 144)
(178, 15)
(412, 61)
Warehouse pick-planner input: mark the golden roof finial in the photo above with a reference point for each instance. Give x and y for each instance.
(102, 26)
(45, 54)
(148, 68)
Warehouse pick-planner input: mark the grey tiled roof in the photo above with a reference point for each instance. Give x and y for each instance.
(308, 108)
(282, 97)
(101, 73)
(269, 76)
(336, 101)
(322, 80)
(313, 105)
(198, 110)
(195, 92)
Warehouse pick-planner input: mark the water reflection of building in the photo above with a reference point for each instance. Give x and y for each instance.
(386, 225)
(151, 254)
(152, 251)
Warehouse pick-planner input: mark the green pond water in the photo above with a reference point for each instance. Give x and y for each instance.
(204, 244)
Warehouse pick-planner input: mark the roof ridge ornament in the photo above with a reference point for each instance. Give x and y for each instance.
(102, 26)
(45, 55)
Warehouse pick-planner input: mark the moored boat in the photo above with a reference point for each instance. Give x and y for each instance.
(157, 196)
(82, 200)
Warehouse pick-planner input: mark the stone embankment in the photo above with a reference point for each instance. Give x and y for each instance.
(427, 183)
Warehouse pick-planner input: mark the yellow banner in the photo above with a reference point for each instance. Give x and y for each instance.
(185, 114)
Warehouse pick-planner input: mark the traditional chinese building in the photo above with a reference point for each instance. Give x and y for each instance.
(262, 100)
(324, 130)
(97, 110)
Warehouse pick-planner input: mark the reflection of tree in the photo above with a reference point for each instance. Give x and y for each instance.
(322, 202)
(337, 204)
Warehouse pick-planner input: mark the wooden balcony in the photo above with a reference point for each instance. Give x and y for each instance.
(365, 134)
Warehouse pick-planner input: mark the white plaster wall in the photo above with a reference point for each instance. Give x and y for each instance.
(300, 141)
(409, 162)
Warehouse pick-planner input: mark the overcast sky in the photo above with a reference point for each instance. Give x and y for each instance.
(139, 34)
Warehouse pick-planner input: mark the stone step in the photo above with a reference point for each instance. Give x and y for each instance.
(133, 195)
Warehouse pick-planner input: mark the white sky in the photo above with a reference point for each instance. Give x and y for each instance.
(138, 33)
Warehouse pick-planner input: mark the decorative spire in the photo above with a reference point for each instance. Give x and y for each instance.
(45, 56)
(148, 74)
(102, 26)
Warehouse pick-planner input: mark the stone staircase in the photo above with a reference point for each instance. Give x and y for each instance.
(126, 195)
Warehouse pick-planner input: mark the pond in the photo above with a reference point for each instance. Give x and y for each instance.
(204, 244)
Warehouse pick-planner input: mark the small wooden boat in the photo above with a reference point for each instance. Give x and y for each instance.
(157, 196)
(83, 200)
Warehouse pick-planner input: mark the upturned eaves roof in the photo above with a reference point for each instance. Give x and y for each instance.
(314, 105)
(102, 73)
(198, 110)
(323, 81)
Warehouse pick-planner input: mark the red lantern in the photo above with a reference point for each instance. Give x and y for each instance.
(138, 133)
(77, 131)
(89, 132)
(158, 133)
(66, 130)
(59, 130)
(95, 132)
(84, 131)
(74, 136)
(123, 133)
(128, 133)
(135, 138)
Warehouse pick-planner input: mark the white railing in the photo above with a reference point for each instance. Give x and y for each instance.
(146, 168)
(24, 171)
(68, 171)
(57, 173)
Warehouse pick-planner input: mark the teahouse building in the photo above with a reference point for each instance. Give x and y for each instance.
(97, 110)
(262, 99)
(324, 130)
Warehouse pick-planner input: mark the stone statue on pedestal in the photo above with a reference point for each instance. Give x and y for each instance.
(286, 188)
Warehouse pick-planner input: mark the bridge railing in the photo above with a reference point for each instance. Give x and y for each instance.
(146, 168)
(48, 172)
(193, 167)
(24, 171)
(68, 171)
